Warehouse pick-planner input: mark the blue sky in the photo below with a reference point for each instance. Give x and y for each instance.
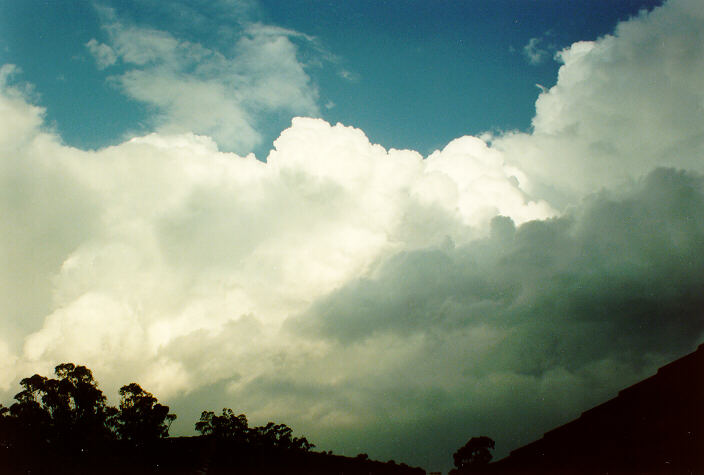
(411, 74)
(505, 228)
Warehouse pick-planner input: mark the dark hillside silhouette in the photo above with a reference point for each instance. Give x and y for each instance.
(654, 426)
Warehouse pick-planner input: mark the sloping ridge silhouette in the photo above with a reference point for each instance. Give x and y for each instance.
(654, 426)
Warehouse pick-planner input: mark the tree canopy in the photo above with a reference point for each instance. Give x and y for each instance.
(236, 429)
(141, 418)
(64, 425)
(68, 409)
(474, 455)
(70, 412)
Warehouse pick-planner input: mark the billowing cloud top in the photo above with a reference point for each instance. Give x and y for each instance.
(621, 106)
(376, 300)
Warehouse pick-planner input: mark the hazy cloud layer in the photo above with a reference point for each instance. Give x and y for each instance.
(546, 317)
(376, 300)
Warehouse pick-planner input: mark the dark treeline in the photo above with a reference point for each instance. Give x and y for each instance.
(64, 425)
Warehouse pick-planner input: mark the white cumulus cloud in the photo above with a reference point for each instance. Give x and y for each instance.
(165, 237)
(371, 298)
(622, 105)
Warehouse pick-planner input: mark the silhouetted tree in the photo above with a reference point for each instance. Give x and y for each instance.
(225, 427)
(8, 428)
(141, 419)
(279, 436)
(235, 428)
(76, 404)
(473, 456)
(67, 411)
(28, 415)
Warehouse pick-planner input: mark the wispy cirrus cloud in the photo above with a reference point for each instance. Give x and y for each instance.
(223, 92)
(534, 52)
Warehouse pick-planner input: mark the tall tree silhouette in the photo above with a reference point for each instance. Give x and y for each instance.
(76, 404)
(141, 419)
(68, 411)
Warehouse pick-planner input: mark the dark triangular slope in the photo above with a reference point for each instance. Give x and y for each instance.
(654, 426)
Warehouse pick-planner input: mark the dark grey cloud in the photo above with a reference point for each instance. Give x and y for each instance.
(630, 260)
(572, 309)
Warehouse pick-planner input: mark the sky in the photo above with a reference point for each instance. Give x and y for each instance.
(390, 225)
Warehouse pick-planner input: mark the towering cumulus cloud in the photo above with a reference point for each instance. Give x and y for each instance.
(377, 300)
(621, 106)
